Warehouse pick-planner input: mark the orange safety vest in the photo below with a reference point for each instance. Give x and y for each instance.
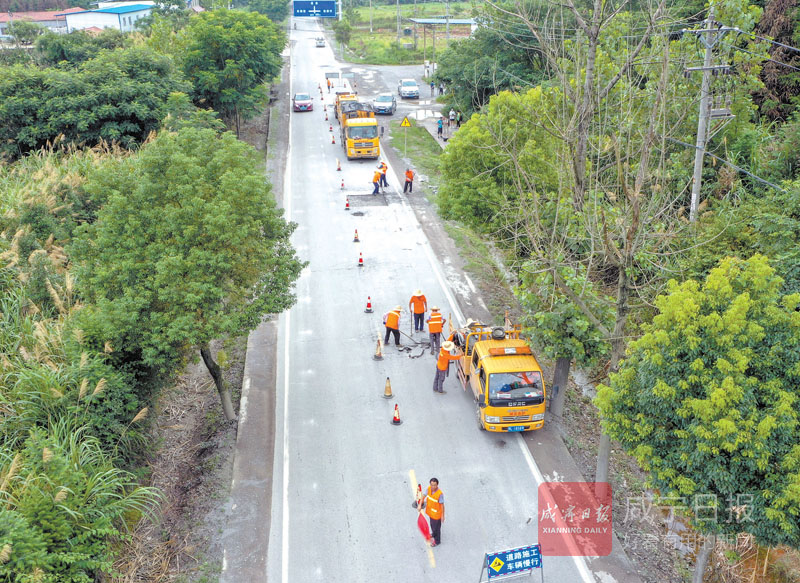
(419, 303)
(376, 177)
(432, 506)
(384, 168)
(435, 322)
(410, 175)
(444, 359)
(393, 320)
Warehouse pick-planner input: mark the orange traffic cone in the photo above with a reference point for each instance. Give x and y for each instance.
(347, 204)
(368, 309)
(333, 139)
(360, 260)
(355, 237)
(326, 114)
(396, 419)
(342, 183)
(387, 391)
(378, 352)
(338, 166)
(330, 128)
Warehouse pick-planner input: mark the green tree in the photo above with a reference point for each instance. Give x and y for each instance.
(275, 10)
(342, 31)
(229, 56)
(189, 247)
(24, 31)
(559, 327)
(78, 46)
(119, 96)
(489, 61)
(707, 399)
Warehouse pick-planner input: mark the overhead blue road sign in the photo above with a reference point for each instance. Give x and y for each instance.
(513, 561)
(315, 8)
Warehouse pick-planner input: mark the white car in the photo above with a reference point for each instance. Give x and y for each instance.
(320, 41)
(408, 88)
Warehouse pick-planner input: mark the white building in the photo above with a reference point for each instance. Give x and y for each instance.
(123, 18)
(53, 20)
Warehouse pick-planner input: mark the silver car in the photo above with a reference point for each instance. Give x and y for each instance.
(408, 88)
(384, 103)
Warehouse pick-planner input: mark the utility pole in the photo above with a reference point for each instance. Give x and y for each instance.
(447, 21)
(709, 37)
(415, 25)
(370, 16)
(398, 21)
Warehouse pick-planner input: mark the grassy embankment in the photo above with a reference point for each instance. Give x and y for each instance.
(381, 46)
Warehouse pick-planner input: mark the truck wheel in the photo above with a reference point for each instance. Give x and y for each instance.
(478, 413)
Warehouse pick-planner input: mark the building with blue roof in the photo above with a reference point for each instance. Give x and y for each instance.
(121, 17)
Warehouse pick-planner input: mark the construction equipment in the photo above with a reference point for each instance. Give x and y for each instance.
(505, 378)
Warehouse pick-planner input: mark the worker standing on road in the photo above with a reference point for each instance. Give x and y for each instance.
(451, 118)
(391, 320)
(439, 127)
(409, 185)
(442, 364)
(434, 508)
(418, 305)
(435, 325)
(383, 168)
(376, 181)
(433, 85)
(329, 84)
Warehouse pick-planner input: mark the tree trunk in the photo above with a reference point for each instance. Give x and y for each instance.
(222, 389)
(617, 350)
(702, 558)
(584, 116)
(559, 388)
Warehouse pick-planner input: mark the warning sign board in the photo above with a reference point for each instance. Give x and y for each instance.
(405, 123)
(512, 562)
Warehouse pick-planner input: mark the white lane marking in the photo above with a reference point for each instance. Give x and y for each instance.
(287, 198)
(243, 401)
(470, 284)
(580, 564)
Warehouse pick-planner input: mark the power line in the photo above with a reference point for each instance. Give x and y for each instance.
(765, 58)
(731, 164)
(795, 49)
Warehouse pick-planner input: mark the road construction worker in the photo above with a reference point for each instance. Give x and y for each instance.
(434, 508)
(383, 168)
(435, 324)
(442, 364)
(418, 305)
(409, 185)
(391, 320)
(376, 181)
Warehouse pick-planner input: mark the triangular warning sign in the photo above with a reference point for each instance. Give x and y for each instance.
(405, 123)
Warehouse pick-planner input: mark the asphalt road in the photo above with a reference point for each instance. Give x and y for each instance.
(343, 475)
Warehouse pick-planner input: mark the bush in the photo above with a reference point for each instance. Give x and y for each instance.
(64, 504)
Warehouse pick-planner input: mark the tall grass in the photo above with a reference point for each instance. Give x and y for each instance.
(68, 417)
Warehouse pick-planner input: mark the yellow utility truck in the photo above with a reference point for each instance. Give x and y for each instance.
(359, 127)
(505, 378)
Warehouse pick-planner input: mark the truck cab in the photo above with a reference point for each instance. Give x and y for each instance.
(360, 137)
(503, 375)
